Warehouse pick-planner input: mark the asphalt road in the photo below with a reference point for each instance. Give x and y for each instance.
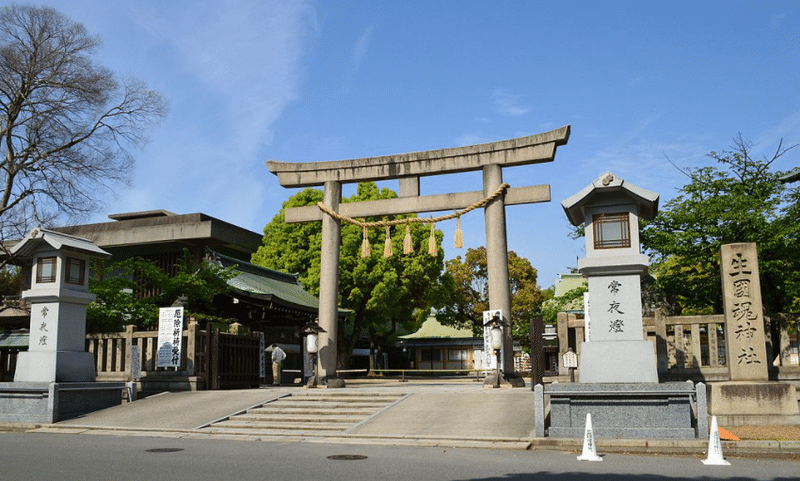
(37, 456)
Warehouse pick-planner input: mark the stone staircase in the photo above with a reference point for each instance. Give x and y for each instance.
(318, 413)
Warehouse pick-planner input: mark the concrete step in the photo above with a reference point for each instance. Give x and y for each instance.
(345, 393)
(342, 399)
(289, 410)
(297, 418)
(287, 426)
(271, 432)
(306, 414)
(328, 405)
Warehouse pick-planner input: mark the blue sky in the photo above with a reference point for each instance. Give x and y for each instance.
(639, 82)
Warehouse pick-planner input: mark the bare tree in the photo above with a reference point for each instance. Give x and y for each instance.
(66, 124)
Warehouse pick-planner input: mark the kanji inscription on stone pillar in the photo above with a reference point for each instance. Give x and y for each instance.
(744, 317)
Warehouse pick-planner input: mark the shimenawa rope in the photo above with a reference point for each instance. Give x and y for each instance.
(407, 244)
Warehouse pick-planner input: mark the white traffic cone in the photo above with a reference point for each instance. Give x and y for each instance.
(589, 448)
(715, 446)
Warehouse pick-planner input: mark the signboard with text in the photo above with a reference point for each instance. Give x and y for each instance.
(170, 329)
(489, 358)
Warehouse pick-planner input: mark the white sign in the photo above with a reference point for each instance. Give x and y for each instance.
(170, 330)
(570, 359)
(489, 359)
(136, 362)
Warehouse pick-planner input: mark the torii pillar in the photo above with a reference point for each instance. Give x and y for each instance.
(329, 284)
(408, 168)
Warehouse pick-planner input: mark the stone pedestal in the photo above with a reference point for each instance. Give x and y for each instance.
(754, 403)
(618, 362)
(38, 402)
(615, 351)
(628, 410)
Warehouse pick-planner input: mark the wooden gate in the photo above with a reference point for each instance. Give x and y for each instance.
(232, 361)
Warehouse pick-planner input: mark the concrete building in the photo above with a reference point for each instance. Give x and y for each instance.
(160, 236)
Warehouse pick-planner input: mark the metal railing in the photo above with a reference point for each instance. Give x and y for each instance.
(403, 372)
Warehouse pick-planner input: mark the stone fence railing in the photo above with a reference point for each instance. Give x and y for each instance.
(693, 347)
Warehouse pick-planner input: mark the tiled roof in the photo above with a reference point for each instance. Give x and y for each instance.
(431, 328)
(17, 338)
(792, 176)
(269, 285)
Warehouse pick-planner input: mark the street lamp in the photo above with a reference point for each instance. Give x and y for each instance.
(311, 331)
(495, 325)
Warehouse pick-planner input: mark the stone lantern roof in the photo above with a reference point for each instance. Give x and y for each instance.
(39, 238)
(609, 189)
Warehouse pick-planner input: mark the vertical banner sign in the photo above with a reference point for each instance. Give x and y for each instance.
(489, 359)
(587, 330)
(136, 362)
(308, 364)
(170, 328)
(263, 361)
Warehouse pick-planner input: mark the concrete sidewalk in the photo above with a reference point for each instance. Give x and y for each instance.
(445, 413)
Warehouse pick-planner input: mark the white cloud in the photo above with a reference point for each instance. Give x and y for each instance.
(788, 129)
(508, 104)
(649, 164)
(362, 47)
(230, 70)
(469, 139)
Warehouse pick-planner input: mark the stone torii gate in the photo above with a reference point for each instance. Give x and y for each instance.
(408, 168)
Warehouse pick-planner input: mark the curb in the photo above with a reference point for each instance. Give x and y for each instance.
(684, 447)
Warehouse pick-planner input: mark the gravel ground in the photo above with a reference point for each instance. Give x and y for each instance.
(766, 433)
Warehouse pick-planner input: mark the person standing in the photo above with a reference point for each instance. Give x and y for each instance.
(277, 358)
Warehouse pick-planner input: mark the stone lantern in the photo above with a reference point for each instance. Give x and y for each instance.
(57, 295)
(618, 385)
(614, 350)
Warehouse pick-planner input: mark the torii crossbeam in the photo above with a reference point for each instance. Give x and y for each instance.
(408, 168)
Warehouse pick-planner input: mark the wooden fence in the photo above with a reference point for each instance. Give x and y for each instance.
(693, 347)
(112, 353)
(209, 360)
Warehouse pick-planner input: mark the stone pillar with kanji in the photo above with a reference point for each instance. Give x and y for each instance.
(749, 397)
(614, 348)
(744, 317)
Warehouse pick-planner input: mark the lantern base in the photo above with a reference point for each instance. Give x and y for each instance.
(511, 380)
(55, 366)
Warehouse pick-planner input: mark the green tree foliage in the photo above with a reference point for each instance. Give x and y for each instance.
(553, 305)
(10, 281)
(465, 292)
(386, 294)
(294, 248)
(122, 289)
(740, 200)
